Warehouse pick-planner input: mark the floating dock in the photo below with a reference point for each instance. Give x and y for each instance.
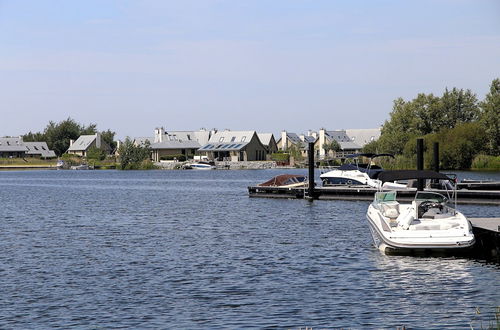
(485, 197)
(487, 234)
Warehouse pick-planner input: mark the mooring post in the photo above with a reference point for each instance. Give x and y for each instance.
(310, 154)
(420, 162)
(436, 156)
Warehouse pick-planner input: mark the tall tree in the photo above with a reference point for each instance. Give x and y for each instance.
(490, 118)
(459, 106)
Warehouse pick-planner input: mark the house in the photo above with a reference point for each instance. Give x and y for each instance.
(173, 143)
(347, 144)
(12, 147)
(267, 139)
(234, 146)
(15, 147)
(81, 146)
(299, 142)
(39, 150)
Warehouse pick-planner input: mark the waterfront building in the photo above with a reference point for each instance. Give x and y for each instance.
(300, 142)
(165, 145)
(15, 147)
(81, 146)
(234, 146)
(267, 139)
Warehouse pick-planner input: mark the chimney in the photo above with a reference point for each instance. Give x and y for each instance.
(314, 134)
(321, 142)
(71, 141)
(302, 137)
(98, 140)
(159, 133)
(284, 141)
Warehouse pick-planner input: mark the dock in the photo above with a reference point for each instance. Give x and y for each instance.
(487, 234)
(482, 197)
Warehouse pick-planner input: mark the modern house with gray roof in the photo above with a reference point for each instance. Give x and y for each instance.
(172, 143)
(81, 146)
(234, 146)
(299, 142)
(15, 147)
(347, 145)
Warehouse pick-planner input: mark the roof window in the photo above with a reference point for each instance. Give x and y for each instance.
(233, 139)
(243, 138)
(221, 139)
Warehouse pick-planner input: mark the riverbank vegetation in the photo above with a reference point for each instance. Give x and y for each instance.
(133, 157)
(58, 135)
(467, 130)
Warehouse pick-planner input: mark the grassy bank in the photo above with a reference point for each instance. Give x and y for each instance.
(27, 162)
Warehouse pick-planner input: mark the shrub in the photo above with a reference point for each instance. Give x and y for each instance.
(179, 157)
(485, 162)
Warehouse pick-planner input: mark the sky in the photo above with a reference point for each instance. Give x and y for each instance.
(131, 66)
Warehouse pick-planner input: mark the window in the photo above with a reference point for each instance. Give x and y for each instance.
(221, 139)
(233, 139)
(189, 137)
(243, 138)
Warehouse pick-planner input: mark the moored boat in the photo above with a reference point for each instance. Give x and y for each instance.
(428, 224)
(286, 181)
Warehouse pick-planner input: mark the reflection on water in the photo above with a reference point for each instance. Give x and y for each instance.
(189, 249)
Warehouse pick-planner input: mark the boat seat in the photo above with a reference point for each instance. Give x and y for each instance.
(390, 209)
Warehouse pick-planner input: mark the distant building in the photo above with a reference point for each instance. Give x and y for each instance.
(15, 147)
(234, 146)
(267, 139)
(81, 146)
(299, 142)
(172, 143)
(351, 141)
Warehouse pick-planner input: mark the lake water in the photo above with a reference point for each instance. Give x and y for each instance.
(190, 249)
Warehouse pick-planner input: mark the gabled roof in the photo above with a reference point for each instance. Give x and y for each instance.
(265, 138)
(232, 136)
(341, 137)
(82, 143)
(12, 144)
(39, 148)
(363, 136)
(308, 138)
(175, 144)
(201, 136)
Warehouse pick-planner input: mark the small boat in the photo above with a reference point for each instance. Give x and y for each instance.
(479, 184)
(80, 167)
(428, 224)
(202, 165)
(60, 164)
(357, 174)
(286, 181)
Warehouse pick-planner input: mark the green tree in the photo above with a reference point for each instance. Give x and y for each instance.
(132, 156)
(96, 154)
(490, 118)
(109, 137)
(333, 145)
(458, 106)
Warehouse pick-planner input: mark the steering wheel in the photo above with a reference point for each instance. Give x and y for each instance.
(429, 205)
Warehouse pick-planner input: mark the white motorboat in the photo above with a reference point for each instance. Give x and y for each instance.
(357, 174)
(202, 165)
(427, 224)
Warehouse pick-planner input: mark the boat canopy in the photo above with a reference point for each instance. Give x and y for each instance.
(284, 179)
(390, 176)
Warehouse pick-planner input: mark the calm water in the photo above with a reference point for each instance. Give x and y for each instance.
(189, 249)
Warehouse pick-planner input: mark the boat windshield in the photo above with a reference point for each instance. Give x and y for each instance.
(430, 196)
(386, 196)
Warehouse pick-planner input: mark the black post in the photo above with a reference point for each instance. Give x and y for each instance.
(311, 170)
(420, 162)
(436, 156)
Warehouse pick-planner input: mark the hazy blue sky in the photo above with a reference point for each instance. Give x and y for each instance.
(265, 65)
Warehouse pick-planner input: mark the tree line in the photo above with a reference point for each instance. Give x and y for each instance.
(58, 135)
(465, 127)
